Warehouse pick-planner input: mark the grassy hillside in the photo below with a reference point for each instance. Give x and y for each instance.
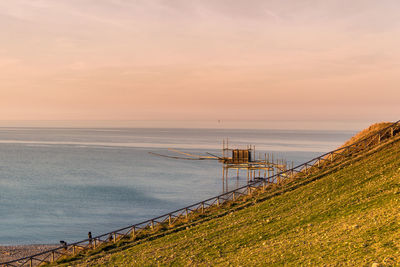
(371, 130)
(349, 215)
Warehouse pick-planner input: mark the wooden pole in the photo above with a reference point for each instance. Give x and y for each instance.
(273, 169)
(226, 179)
(265, 170)
(223, 148)
(223, 179)
(237, 179)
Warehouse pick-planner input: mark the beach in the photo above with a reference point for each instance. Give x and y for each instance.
(8, 253)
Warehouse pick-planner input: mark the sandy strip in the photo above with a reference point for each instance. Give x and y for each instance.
(8, 253)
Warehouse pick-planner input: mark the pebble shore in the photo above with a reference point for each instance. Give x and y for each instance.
(8, 253)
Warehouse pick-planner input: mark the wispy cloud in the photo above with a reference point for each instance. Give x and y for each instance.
(194, 54)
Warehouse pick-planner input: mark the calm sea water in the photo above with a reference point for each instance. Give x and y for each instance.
(59, 183)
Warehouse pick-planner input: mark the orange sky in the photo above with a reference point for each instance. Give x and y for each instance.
(199, 60)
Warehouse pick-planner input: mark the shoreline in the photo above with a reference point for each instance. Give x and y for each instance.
(13, 252)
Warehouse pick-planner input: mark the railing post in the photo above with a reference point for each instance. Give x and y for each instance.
(365, 145)
(331, 157)
(95, 243)
(152, 225)
(30, 262)
(218, 202)
(202, 207)
(379, 138)
(186, 213)
(52, 256)
(169, 219)
(233, 195)
(114, 237)
(73, 250)
(133, 232)
(391, 131)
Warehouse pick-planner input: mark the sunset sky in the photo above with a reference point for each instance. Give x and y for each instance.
(199, 60)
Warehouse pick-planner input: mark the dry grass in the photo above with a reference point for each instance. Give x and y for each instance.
(371, 130)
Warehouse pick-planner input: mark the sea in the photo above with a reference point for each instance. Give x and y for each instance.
(60, 183)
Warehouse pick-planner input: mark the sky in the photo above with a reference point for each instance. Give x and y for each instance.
(199, 60)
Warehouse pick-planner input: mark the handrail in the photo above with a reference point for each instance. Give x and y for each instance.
(180, 212)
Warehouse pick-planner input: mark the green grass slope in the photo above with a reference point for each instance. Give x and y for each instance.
(350, 215)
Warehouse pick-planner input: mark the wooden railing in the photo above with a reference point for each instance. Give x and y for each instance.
(169, 219)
